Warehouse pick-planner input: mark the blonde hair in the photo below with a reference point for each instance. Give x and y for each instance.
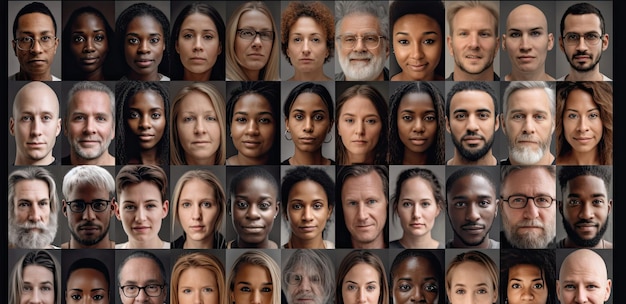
(177, 154)
(257, 258)
(233, 66)
(452, 8)
(198, 260)
(477, 257)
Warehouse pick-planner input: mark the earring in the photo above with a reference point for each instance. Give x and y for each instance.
(330, 139)
(285, 134)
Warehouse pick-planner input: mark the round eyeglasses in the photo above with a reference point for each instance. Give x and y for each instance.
(371, 41)
(250, 34)
(97, 205)
(26, 43)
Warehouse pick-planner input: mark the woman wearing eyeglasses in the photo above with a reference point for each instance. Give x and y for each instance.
(251, 46)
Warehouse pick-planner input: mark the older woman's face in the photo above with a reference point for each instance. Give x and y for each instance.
(87, 283)
(89, 42)
(306, 47)
(253, 54)
(198, 44)
(38, 285)
(198, 210)
(361, 285)
(199, 130)
(252, 285)
(415, 280)
(197, 285)
(144, 45)
(582, 123)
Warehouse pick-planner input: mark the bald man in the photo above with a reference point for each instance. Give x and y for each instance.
(583, 279)
(35, 124)
(527, 42)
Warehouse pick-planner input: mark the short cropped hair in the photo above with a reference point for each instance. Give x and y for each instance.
(88, 175)
(33, 7)
(461, 86)
(135, 174)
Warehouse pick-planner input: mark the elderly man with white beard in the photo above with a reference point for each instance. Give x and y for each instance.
(33, 206)
(362, 40)
(528, 113)
(308, 277)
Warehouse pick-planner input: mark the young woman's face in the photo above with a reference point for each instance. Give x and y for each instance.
(141, 211)
(417, 207)
(252, 285)
(144, 45)
(199, 130)
(470, 283)
(307, 210)
(417, 43)
(198, 44)
(198, 210)
(254, 207)
(197, 285)
(309, 122)
(417, 122)
(89, 42)
(526, 282)
(146, 118)
(306, 47)
(361, 285)
(359, 125)
(87, 283)
(415, 280)
(582, 124)
(253, 126)
(254, 54)
(38, 284)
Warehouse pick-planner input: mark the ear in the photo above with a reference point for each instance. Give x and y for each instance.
(330, 212)
(287, 124)
(12, 126)
(64, 208)
(608, 290)
(14, 47)
(117, 212)
(502, 122)
(113, 206)
(503, 41)
(58, 127)
(610, 206)
(228, 209)
(550, 42)
(561, 44)
(166, 208)
(498, 202)
(605, 41)
(558, 290)
(448, 125)
(497, 122)
(495, 52)
(449, 42)
(277, 209)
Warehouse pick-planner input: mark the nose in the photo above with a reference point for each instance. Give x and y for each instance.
(35, 297)
(35, 213)
(583, 124)
(307, 214)
(527, 294)
(257, 42)
(196, 212)
(308, 125)
(200, 127)
(252, 128)
(142, 297)
(581, 295)
(36, 48)
(528, 126)
(531, 211)
(197, 45)
(418, 126)
(306, 47)
(582, 44)
(418, 296)
(417, 51)
(586, 212)
(472, 123)
(361, 297)
(473, 41)
(144, 122)
(89, 48)
(143, 47)
(416, 212)
(361, 212)
(360, 45)
(471, 213)
(88, 213)
(253, 212)
(36, 127)
(140, 215)
(359, 128)
(525, 43)
(90, 126)
(256, 297)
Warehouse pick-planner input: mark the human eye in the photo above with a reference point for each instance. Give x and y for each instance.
(207, 289)
(133, 40)
(27, 118)
(298, 116)
(97, 297)
(598, 202)
(245, 289)
(594, 115)
(76, 297)
(99, 38)
(536, 33)
(371, 121)
(573, 202)
(185, 205)
(297, 206)
(152, 288)
(133, 115)
(78, 38)
(484, 115)
(538, 286)
(26, 39)
(266, 289)
(45, 38)
(460, 204)
(155, 40)
(318, 206)
(188, 118)
(267, 35)
(27, 288)
(592, 37)
(460, 116)
(518, 199)
(484, 203)
(352, 203)
(156, 115)
(428, 41)
(430, 118)
(101, 118)
(265, 120)
(460, 291)
(569, 287)
(404, 287)
(349, 120)
(207, 204)
(403, 41)
(316, 40)
(515, 35)
(372, 201)
(265, 205)
(78, 117)
(540, 117)
(188, 36)
(43, 203)
(431, 287)
(370, 287)
(485, 34)
(186, 291)
(98, 205)
(297, 39)
(572, 37)
(407, 117)
(462, 33)
(518, 116)
(247, 33)
(208, 37)
(318, 117)
(130, 207)
(481, 291)
(407, 204)
(572, 116)
(426, 204)
(24, 204)
(242, 204)
(349, 39)
(241, 119)
(516, 286)
(211, 118)
(130, 288)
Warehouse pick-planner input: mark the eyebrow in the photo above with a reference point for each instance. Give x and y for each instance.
(45, 32)
(260, 113)
(138, 35)
(151, 109)
(533, 280)
(477, 110)
(520, 30)
(314, 111)
(248, 283)
(590, 110)
(424, 279)
(423, 33)
(96, 30)
(593, 195)
(370, 282)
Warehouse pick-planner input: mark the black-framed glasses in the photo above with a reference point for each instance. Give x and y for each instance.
(250, 34)
(574, 38)
(26, 43)
(152, 290)
(97, 205)
(520, 201)
(371, 41)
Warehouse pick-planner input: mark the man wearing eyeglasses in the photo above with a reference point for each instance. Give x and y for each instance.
(362, 44)
(308, 277)
(141, 279)
(88, 205)
(527, 207)
(34, 42)
(583, 39)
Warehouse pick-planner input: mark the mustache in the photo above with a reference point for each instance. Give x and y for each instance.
(532, 223)
(359, 56)
(586, 222)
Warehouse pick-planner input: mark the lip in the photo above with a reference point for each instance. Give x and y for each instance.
(417, 68)
(365, 60)
(37, 61)
(89, 142)
(251, 144)
(144, 63)
(146, 136)
(89, 60)
(365, 227)
(197, 59)
(35, 144)
(307, 228)
(200, 142)
(197, 228)
(305, 60)
(473, 57)
(142, 229)
(89, 229)
(473, 229)
(582, 57)
(583, 140)
(359, 142)
(472, 140)
(526, 58)
(253, 229)
(526, 142)
(418, 141)
(417, 225)
(256, 55)
(307, 140)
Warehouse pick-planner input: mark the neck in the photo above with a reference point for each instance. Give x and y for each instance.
(423, 241)
(155, 243)
(539, 74)
(487, 160)
(457, 243)
(23, 161)
(307, 158)
(317, 75)
(486, 75)
(97, 75)
(189, 76)
(154, 76)
(360, 158)
(316, 243)
(414, 158)
(149, 157)
(46, 76)
(593, 75)
(584, 158)
(378, 243)
(252, 75)
(206, 243)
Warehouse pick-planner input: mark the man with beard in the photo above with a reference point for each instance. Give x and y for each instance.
(472, 207)
(527, 206)
(32, 208)
(528, 122)
(585, 206)
(473, 40)
(362, 43)
(472, 120)
(308, 277)
(88, 205)
(90, 124)
(583, 39)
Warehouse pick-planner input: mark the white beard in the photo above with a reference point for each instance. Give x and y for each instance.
(359, 71)
(21, 236)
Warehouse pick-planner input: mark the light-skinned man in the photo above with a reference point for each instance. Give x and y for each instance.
(583, 278)
(308, 277)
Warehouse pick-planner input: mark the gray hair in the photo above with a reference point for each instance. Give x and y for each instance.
(378, 9)
(313, 262)
(90, 86)
(88, 175)
(32, 173)
(528, 85)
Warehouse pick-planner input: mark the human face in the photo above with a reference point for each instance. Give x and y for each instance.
(253, 55)
(417, 43)
(529, 227)
(581, 56)
(583, 281)
(254, 208)
(417, 122)
(89, 43)
(585, 208)
(361, 285)
(359, 127)
(364, 208)
(473, 41)
(198, 44)
(146, 118)
(415, 280)
(37, 61)
(253, 126)
(529, 126)
(198, 209)
(197, 285)
(144, 45)
(141, 211)
(38, 285)
(472, 123)
(360, 62)
(472, 208)
(199, 130)
(306, 48)
(308, 290)
(470, 283)
(90, 126)
(141, 272)
(527, 39)
(308, 122)
(308, 210)
(32, 209)
(582, 123)
(417, 207)
(35, 123)
(526, 284)
(252, 284)
(89, 228)
(87, 285)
